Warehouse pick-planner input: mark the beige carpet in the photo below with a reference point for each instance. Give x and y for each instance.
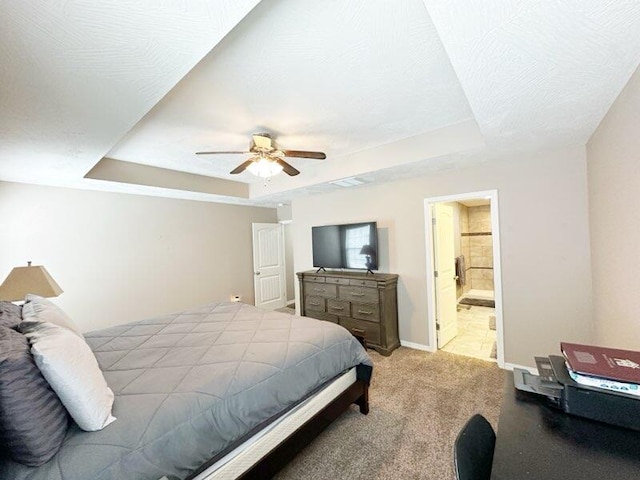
(419, 401)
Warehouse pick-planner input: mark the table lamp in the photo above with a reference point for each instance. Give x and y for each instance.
(29, 279)
(369, 252)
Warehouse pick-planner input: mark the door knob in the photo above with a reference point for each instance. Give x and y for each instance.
(257, 273)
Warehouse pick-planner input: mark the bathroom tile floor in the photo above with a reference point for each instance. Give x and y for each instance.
(475, 338)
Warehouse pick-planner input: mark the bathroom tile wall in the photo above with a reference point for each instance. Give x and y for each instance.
(480, 248)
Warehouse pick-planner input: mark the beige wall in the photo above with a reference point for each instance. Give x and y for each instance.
(613, 158)
(542, 208)
(124, 257)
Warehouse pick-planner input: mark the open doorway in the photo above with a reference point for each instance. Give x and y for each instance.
(463, 275)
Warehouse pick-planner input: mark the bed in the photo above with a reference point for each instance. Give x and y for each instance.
(196, 390)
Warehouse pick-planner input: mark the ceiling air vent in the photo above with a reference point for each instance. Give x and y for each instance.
(348, 182)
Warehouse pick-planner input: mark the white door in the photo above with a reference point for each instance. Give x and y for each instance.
(445, 276)
(268, 265)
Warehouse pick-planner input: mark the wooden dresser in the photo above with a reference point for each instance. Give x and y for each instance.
(365, 304)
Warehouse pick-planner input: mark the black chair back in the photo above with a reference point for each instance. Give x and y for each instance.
(473, 450)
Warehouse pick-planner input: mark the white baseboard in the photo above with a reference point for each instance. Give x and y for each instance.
(511, 366)
(416, 346)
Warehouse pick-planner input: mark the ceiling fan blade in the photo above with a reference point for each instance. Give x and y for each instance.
(218, 153)
(286, 168)
(242, 167)
(303, 154)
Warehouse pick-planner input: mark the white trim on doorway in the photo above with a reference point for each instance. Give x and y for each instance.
(492, 196)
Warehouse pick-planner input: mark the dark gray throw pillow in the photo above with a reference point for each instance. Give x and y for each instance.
(10, 314)
(33, 421)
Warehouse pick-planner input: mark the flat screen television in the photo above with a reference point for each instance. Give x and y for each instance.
(353, 245)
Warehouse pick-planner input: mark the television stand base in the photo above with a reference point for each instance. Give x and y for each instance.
(322, 269)
(369, 271)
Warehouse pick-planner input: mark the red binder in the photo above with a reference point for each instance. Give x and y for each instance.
(612, 363)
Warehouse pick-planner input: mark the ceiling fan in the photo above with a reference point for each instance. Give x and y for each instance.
(267, 159)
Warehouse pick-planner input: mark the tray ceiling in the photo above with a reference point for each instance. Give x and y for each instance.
(386, 89)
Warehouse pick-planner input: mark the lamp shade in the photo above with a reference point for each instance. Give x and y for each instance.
(29, 279)
(367, 250)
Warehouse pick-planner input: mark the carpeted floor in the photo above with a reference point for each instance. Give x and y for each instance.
(419, 402)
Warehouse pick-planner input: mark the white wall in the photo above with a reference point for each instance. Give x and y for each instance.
(613, 158)
(121, 257)
(546, 272)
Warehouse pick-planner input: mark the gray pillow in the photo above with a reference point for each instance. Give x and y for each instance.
(10, 314)
(33, 421)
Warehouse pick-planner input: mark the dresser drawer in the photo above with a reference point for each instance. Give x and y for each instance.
(365, 311)
(315, 279)
(367, 305)
(320, 289)
(338, 281)
(339, 307)
(358, 294)
(371, 330)
(322, 316)
(314, 304)
(363, 283)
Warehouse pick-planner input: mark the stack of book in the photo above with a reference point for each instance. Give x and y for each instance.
(607, 368)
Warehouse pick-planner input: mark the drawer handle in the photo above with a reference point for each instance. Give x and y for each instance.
(337, 308)
(365, 312)
(315, 304)
(356, 294)
(319, 289)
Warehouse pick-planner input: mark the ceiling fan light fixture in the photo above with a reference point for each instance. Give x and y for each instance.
(268, 159)
(264, 167)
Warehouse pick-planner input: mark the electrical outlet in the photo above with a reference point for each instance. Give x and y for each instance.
(236, 298)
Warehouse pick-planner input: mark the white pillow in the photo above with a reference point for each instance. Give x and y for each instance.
(68, 364)
(39, 309)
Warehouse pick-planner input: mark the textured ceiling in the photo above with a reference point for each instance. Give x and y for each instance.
(387, 89)
(76, 76)
(334, 76)
(539, 74)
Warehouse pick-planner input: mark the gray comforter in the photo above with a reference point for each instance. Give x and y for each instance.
(189, 385)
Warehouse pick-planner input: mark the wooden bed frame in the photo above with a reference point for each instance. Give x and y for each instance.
(275, 460)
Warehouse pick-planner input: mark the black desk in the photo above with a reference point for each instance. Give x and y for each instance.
(537, 442)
